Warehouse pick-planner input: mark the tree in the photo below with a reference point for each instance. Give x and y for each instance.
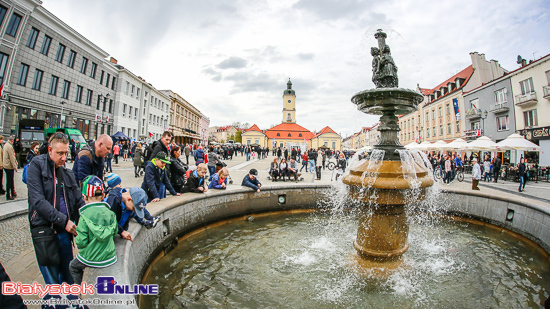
(237, 124)
(238, 137)
(245, 125)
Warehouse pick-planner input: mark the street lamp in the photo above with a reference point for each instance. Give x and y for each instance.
(483, 122)
(61, 118)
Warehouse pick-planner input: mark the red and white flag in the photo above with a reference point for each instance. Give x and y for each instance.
(478, 132)
(97, 118)
(150, 134)
(107, 118)
(2, 90)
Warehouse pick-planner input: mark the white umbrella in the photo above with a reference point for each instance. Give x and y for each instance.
(424, 146)
(482, 143)
(412, 145)
(439, 145)
(517, 142)
(457, 144)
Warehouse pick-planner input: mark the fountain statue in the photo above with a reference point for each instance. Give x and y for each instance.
(384, 187)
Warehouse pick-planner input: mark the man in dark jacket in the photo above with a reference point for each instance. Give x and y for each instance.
(162, 144)
(251, 180)
(89, 161)
(155, 175)
(497, 167)
(54, 200)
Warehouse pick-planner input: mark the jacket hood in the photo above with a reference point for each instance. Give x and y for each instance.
(100, 224)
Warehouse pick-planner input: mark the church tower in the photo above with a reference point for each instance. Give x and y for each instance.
(289, 104)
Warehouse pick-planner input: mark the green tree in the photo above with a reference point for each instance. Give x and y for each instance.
(238, 137)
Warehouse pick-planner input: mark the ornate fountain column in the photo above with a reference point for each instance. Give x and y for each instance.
(383, 229)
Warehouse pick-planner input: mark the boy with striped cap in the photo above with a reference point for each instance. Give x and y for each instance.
(95, 231)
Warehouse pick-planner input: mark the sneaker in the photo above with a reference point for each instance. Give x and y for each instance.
(148, 224)
(155, 220)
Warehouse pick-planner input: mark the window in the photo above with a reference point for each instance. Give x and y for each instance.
(23, 72)
(476, 125)
(13, 25)
(433, 114)
(84, 65)
(548, 76)
(98, 106)
(60, 53)
(150, 117)
(300, 135)
(530, 118)
(448, 109)
(130, 113)
(135, 113)
(72, 56)
(132, 92)
(427, 117)
(53, 85)
(278, 134)
(113, 83)
(434, 133)
(527, 86)
(440, 111)
(45, 49)
(89, 97)
(288, 134)
(107, 80)
(31, 42)
(3, 12)
(37, 83)
(110, 106)
(448, 128)
(124, 110)
(427, 133)
(92, 71)
(66, 89)
(500, 96)
(137, 93)
(78, 97)
(257, 140)
(458, 127)
(502, 123)
(474, 103)
(101, 77)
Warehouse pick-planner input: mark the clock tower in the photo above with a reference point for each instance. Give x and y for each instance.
(289, 104)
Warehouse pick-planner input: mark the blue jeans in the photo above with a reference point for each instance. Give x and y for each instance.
(61, 273)
(109, 167)
(248, 156)
(212, 170)
(311, 165)
(521, 183)
(304, 164)
(146, 216)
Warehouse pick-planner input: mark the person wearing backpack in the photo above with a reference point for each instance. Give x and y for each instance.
(161, 145)
(200, 156)
(90, 160)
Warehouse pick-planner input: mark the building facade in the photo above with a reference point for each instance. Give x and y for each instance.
(51, 72)
(203, 127)
(185, 119)
(531, 91)
(255, 136)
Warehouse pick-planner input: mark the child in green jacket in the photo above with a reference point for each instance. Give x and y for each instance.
(96, 228)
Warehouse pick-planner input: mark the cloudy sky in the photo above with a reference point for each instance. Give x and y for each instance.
(232, 59)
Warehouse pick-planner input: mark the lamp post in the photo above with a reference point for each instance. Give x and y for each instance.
(61, 118)
(483, 122)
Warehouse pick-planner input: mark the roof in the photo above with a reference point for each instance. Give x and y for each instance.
(464, 74)
(426, 91)
(284, 129)
(325, 130)
(254, 127)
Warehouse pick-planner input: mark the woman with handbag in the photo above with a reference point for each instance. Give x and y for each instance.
(177, 169)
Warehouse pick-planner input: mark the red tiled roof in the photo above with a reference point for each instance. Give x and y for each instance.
(293, 129)
(464, 74)
(326, 129)
(426, 91)
(253, 128)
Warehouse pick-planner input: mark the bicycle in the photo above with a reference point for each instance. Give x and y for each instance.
(331, 166)
(460, 174)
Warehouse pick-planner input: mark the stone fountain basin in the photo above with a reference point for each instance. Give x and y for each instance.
(376, 101)
(184, 214)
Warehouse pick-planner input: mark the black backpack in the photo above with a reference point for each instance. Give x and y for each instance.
(149, 151)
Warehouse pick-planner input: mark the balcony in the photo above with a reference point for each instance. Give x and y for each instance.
(500, 107)
(546, 91)
(470, 135)
(473, 113)
(527, 99)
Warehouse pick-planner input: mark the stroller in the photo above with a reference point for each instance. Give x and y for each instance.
(219, 165)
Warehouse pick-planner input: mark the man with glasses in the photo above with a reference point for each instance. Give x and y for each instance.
(54, 200)
(90, 160)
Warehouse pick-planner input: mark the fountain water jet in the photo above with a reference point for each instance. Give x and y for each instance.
(383, 229)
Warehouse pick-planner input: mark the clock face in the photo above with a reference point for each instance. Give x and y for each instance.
(289, 101)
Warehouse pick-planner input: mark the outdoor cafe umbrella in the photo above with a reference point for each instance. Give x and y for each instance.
(457, 144)
(517, 142)
(412, 145)
(424, 146)
(439, 145)
(482, 143)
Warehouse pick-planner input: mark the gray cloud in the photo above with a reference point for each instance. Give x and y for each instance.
(333, 9)
(232, 63)
(306, 56)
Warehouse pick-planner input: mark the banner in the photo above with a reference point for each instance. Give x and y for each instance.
(457, 111)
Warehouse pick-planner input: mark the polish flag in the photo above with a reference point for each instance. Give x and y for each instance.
(2, 90)
(151, 134)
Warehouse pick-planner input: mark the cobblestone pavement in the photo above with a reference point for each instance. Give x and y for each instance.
(16, 237)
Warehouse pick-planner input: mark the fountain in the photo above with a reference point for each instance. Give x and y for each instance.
(385, 188)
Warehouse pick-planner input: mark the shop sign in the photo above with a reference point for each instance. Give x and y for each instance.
(536, 133)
